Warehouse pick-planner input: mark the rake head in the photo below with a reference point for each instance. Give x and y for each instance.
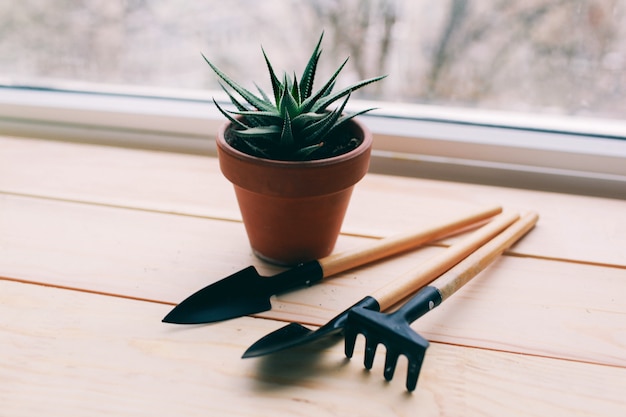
(392, 331)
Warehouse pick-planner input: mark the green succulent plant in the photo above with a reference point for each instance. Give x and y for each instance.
(297, 124)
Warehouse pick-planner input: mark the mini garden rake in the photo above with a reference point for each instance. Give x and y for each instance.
(393, 330)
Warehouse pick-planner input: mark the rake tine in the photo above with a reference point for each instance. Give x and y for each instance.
(394, 331)
(391, 360)
(370, 352)
(413, 374)
(350, 335)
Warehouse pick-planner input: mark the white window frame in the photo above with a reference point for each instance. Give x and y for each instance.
(562, 154)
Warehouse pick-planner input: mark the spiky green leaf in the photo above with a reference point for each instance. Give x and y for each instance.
(263, 94)
(276, 86)
(288, 104)
(308, 75)
(317, 133)
(234, 121)
(329, 90)
(286, 136)
(233, 99)
(303, 153)
(295, 90)
(252, 119)
(326, 101)
(310, 102)
(247, 95)
(256, 150)
(303, 120)
(268, 133)
(347, 117)
(263, 118)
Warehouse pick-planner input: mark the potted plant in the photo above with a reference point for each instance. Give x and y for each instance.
(292, 160)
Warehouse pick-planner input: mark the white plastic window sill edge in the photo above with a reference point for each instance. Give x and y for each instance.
(570, 155)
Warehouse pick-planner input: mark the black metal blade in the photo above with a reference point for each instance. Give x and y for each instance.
(240, 294)
(294, 334)
(229, 298)
(288, 336)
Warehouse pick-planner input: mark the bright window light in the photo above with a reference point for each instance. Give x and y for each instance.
(544, 56)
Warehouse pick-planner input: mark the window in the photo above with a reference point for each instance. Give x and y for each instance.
(476, 89)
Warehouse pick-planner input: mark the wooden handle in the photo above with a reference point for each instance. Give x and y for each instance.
(392, 245)
(409, 283)
(468, 268)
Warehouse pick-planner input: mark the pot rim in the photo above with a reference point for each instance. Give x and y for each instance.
(295, 178)
(364, 146)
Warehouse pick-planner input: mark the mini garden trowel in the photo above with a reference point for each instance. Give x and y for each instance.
(295, 334)
(247, 292)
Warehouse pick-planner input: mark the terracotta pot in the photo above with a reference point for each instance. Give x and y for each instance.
(293, 211)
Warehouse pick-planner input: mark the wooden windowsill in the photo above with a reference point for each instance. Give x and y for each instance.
(97, 243)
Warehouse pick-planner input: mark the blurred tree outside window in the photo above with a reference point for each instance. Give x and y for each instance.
(546, 56)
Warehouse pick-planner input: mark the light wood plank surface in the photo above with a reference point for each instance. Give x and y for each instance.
(97, 243)
(166, 257)
(381, 205)
(72, 353)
